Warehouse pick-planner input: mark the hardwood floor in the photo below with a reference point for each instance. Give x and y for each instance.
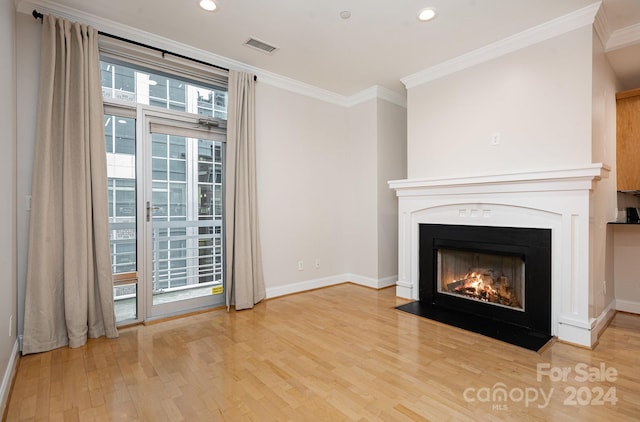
(340, 353)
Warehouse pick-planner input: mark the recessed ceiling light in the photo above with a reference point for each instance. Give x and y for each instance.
(345, 14)
(427, 14)
(208, 5)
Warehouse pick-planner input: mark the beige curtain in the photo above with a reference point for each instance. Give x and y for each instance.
(245, 282)
(69, 293)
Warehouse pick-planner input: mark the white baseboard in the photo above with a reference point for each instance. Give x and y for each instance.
(7, 379)
(372, 282)
(317, 283)
(628, 306)
(605, 317)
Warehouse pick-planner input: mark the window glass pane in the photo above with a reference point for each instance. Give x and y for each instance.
(125, 302)
(178, 170)
(159, 169)
(126, 203)
(206, 202)
(218, 202)
(205, 150)
(125, 135)
(120, 148)
(108, 132)
(220, 105)
(124, 79)
(157, 86)
(122, 213)
(160, 203)
(129, 84)
(124, 258)
(110, 194)
(158, 145)
(106, 75)
(177, 91)
(177, 148)
(178, 200)
(205, 172)
(205, 102)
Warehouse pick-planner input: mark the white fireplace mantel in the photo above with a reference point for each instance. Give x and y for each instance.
(557, 199)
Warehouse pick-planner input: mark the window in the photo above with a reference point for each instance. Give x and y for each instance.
(129, 84)
(185, 180)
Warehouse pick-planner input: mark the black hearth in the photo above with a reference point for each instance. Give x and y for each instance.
(492, 280)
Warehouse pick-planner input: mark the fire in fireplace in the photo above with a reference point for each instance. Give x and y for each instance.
(492, 280)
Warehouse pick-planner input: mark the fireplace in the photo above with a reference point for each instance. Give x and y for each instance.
(501, 274)
(557, 201)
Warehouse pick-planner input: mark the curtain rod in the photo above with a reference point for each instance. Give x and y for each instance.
(38, 15)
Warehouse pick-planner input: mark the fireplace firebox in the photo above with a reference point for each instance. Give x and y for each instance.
(492, 280)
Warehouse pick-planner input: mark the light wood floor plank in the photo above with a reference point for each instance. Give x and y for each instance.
(337, 354)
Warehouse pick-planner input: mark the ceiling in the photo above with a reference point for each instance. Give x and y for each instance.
(380, 43)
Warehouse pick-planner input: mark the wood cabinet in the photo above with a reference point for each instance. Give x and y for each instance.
(628, 140)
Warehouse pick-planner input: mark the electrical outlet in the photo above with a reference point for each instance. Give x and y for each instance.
(495, 138)
(317, 264)
(604, 287)
(300, 265)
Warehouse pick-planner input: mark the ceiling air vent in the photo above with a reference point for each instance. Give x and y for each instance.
(260, 45)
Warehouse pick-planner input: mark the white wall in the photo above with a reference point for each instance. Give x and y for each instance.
(627, 276)
(604, 197)
(376, 154)
(360, 229)
(8, 276)
(538, 98)
(301, 148)
(28, 61)
(323, 194)
(392, 165)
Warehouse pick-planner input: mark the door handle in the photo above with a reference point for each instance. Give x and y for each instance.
(149, 209)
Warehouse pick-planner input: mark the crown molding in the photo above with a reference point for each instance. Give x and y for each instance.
(377, 92)
(392, 96)
(264, 76)
(301, 88)
(623, 37)
(115, 28)
(602, 27)
(545, 31)
(374, 92)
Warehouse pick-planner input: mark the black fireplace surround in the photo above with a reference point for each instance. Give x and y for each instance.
(529, 327)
